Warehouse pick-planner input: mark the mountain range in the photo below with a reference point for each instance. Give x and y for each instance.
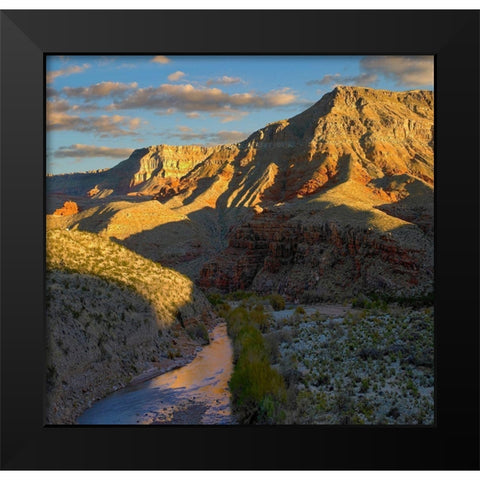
(333, 202)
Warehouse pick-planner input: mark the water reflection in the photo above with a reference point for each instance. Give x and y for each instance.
(195, 393)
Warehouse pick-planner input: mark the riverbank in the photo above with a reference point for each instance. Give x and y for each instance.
(196, 393)
(182, 349)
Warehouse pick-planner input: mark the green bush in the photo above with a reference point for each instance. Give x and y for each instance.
(361, 302)
(260, 319)
(277, 302)
(381, 301)
(215, 299)
(222, 309)
(365, 384)
(239, 295)
(199, 332)
(272, 344)
(258, 390)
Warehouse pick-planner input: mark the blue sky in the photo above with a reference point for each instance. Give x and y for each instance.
(100, 108)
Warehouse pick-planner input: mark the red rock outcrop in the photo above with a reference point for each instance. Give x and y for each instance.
(324, 260)
(69, 208)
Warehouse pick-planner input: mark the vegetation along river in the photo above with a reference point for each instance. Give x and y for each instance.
(194, 394)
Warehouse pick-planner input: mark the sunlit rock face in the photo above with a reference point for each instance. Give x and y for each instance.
(145, 171)
(357, 134)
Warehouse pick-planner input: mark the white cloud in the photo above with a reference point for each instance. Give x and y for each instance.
(187, 98)
(229, 115)
(79, 150)
(225, 80)
(160, 59)
(174, 77)
(403, 70)
(103, 125)
(187, 134)
(63, 72)
(98, 90)
(338, 79)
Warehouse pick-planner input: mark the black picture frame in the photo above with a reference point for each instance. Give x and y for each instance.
(452, 36)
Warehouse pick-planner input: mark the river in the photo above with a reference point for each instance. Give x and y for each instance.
(194, 394)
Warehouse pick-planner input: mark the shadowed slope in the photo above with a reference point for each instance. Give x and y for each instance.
(171, 294)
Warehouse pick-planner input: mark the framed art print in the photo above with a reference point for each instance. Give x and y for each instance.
(309, 241)
(261, 245)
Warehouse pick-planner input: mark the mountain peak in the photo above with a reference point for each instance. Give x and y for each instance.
(352, 132)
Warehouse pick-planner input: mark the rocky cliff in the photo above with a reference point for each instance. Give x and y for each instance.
(145, 172)
(322, 261)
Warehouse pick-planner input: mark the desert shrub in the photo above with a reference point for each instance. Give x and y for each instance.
(249, 341)
(364, 385)
(413, 301)
(236, 318)
(78, 252)
(365, 408)
(199, 332)
(286, 334)
(222, 309)
(315, 296)
(343, 402)
(412, 387)
(361, 302)
(369, 352)
(272, 344)
(318, 317)
(277, 301)
(239, 295)
(373, 302)
(215, 299)
(259, 307)
(259, 318)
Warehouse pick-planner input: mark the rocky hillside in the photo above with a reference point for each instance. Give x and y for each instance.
(342, 199)
(331, 202)
(152, 230)
(111, 314)
(143, 173)
(324, 261)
